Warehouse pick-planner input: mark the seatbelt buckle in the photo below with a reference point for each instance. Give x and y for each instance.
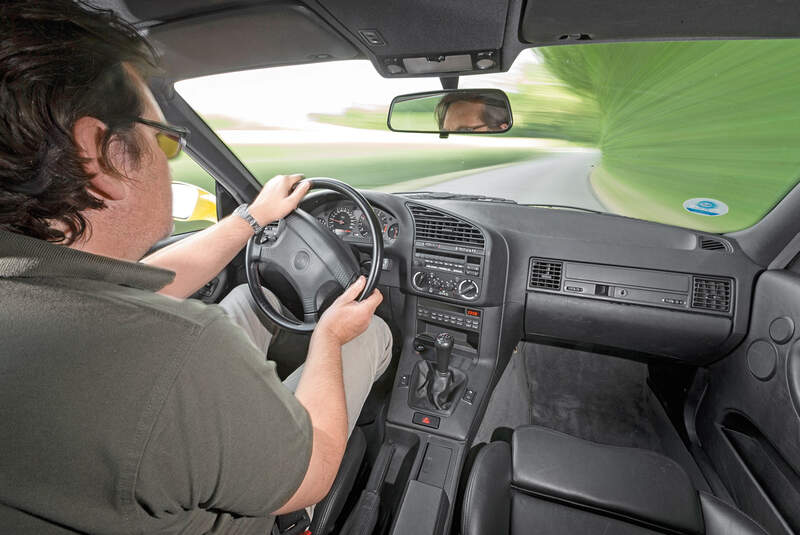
(296, 523)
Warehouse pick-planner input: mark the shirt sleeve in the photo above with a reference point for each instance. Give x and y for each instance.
(230, 436)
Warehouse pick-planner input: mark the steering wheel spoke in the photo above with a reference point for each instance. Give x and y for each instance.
(315, 262)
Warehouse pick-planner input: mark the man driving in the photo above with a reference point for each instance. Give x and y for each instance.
(126, 407)
(465, 112)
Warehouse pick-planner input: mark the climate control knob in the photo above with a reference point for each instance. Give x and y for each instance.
(468, 289)
(420, 279)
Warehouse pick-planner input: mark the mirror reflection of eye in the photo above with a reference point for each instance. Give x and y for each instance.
(475, 128)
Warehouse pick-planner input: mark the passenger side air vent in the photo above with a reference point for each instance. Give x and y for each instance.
(433, 225)
(710, 243)
(545, 274)
(712, 294)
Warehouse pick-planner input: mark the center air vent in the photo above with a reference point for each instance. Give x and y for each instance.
(711, 294)
(545, 274)
(433, 225)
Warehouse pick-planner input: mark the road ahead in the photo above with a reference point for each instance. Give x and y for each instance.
(559, 178)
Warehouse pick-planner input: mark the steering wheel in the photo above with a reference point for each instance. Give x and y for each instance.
(316, 263)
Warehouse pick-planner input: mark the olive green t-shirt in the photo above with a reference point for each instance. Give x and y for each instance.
(124, 411)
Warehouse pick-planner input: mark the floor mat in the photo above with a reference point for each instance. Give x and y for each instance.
(595, 397)
(509, 406)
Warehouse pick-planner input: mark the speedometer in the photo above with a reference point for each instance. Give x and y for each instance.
(340, 221)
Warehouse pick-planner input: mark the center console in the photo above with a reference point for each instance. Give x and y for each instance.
(440, 376)
(442, 385)
(452, 353)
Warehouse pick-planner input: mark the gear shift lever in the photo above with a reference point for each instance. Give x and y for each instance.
(437, 386)
(443, 346)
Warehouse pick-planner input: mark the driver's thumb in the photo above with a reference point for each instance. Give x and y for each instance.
(354, 289)
(300, 191)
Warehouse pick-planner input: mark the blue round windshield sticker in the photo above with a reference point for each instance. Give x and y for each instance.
(703, 206)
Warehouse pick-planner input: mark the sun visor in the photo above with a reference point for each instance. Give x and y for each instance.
(551, 22)
(247, 38)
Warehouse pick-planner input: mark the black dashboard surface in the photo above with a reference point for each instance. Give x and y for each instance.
(590, 243)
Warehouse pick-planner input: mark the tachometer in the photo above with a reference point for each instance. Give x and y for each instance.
(393, 231)
(340, 221)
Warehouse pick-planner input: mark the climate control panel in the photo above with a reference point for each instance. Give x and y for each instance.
(446, 285)
(447, 275)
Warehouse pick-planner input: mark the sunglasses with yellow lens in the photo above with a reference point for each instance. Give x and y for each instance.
(171, 139)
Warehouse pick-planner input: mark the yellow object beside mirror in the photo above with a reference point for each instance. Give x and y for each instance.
(193, 203)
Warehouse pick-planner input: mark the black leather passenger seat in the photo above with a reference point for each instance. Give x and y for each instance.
(549, 483)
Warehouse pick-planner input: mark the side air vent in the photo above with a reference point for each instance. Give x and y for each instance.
(433, 225)
(545, 274)
(710, 243)
(712, 294)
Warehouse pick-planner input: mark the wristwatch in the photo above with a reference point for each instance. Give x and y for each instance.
(244, 213)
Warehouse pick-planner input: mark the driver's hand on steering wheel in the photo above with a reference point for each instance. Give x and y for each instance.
(346, 318)
(277, 199)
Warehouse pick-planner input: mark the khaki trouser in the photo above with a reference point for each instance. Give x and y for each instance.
(364, 358)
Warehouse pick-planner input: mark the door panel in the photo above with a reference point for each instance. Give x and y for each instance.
(747, 421)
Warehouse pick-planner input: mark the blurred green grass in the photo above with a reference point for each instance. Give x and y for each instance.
(363, 165)
(717, 119)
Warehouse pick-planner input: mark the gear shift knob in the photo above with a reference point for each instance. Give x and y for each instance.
(443, 346)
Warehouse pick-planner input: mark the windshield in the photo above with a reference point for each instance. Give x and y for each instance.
(702, 134)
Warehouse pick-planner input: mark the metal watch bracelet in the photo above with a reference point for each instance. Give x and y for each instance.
(244, 213)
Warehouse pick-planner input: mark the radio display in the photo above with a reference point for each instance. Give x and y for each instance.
(472, 312)
(440, 254)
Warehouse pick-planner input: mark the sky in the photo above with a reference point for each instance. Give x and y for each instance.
(284, 96)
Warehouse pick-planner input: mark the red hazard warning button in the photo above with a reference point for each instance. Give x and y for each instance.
(426, 420)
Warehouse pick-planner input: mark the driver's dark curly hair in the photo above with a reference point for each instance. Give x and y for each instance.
(61, 60)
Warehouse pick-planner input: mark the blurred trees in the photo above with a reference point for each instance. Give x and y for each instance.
(679, 120)
(544, 106)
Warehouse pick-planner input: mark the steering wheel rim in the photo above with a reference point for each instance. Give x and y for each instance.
(339, 269)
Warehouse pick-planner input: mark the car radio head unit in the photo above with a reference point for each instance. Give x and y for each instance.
(447, 274)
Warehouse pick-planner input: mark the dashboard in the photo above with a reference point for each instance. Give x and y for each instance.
(349, 223)
(611, 284)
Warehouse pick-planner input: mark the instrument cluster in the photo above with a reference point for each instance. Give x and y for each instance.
(349, 223)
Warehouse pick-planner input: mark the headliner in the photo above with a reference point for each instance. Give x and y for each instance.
(239, 34)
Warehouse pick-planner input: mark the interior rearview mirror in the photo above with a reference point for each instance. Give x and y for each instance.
(193, 203)
(455, 111)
